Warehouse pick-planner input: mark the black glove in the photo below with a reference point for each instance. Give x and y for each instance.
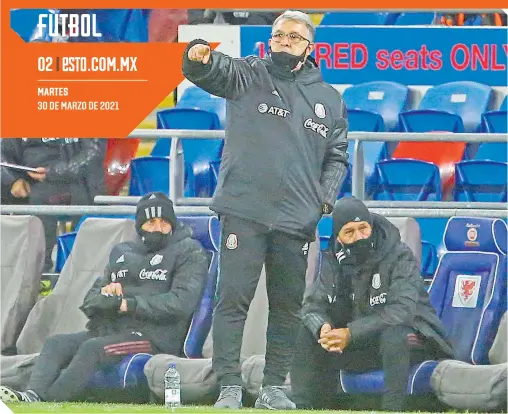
(102, 304)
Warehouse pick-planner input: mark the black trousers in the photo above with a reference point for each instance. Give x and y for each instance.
(314, 371)
(245, 247)
(66, 362)
(55, 194)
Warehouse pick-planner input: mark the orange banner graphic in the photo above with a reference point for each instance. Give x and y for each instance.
(82, 89)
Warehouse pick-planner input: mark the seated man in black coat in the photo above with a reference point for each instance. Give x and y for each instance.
(147, 295)
(368, 308)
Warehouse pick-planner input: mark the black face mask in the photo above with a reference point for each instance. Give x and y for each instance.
(287, 61)
(361, 249)
(154, 240)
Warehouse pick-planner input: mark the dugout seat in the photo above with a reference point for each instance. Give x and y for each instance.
(432, 231)
(59, 312)
(469, 295)
(206, 229)
(64, 245)
(129, 373)
(469, 289)
(429, 260)
(21, 262)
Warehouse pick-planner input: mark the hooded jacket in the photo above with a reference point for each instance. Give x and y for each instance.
(162, 290)
(284, 154)
(385, 290)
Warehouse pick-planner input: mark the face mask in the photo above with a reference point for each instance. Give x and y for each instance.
(154, 240)
(287, 61)
(361, 249)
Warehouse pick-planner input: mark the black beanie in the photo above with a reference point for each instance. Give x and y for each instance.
(153, 205)
(349, 209)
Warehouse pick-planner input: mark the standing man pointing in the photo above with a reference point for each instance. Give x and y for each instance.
(283, 163)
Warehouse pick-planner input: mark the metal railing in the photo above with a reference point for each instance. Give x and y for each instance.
(115, 210)
(125, 205)
(176, 184)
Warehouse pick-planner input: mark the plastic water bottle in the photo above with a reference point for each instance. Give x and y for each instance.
(172, 388)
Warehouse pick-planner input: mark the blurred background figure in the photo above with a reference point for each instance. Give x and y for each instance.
(69, 171)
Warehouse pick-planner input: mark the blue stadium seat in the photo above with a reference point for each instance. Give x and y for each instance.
(197, 153)
(415, 19)
(354, 19)
(469, 295)
(469, 289)
(375, 106)
(183, 118)
(480, 180)
(64, 245)
(496, 121)
(492, 151)
(197, 98)
(148, 174)
(206, 230)
(373, 151)
(429, 260)
(372, 107)
(419, 182)
(454, 107)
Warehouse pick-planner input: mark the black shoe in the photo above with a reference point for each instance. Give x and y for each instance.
(9, 395)
(230, 397)
(274, 398)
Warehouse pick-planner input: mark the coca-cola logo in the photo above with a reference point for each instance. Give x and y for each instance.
(67, 140)
(321, 129)
(158, 274)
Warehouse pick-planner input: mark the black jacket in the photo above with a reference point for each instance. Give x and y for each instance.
(73, 161)
(368, 297)
(285, 148)
(162, 290)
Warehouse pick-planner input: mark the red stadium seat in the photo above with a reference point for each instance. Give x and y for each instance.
(117, 162)
(443, 154)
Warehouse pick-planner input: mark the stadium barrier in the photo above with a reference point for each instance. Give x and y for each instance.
(358, 176)
(199, 206)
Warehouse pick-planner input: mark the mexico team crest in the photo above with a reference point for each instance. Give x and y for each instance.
(319, 110)
(154, 261)
(376, 281)
(232, 241)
